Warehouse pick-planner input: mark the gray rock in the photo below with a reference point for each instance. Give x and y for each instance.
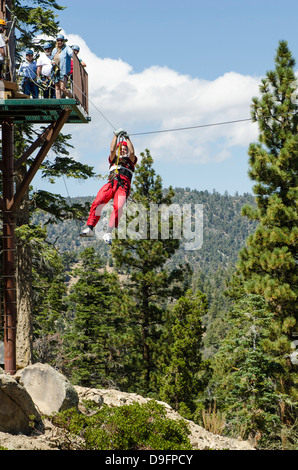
(16, 407)
(50, 390)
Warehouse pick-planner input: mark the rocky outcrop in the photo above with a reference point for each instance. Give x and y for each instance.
(199, 437)
(39, 389)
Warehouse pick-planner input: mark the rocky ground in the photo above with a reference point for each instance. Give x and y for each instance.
(49, 440)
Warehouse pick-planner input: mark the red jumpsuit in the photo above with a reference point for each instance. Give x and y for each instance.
(119, 191)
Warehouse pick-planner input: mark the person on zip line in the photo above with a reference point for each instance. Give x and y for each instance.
(122, 161)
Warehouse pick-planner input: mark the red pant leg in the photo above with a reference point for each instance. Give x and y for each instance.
(120, 197)
(104, 195)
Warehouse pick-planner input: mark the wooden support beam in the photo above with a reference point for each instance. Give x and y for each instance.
(50, 139)
(41, 139)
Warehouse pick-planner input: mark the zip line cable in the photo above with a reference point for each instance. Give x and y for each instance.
(97, 109)
(200, 126)
(210, 124)
(192, 127)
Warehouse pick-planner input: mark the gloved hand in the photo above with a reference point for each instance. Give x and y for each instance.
(119, 132)
(125, 135)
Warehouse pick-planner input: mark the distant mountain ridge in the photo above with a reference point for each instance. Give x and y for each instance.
(224, 230)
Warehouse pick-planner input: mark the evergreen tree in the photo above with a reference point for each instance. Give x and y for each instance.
(150, 285)
(268, 264)
(180, 381)
(34, 19)
(245, 374)
(94, 323)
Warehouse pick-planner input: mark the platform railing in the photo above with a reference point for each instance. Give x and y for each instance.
(80, 83)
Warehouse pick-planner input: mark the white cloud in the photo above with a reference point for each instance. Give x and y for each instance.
(159, 98)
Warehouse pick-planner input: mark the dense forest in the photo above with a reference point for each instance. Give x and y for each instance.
(209, 331)
(224, 233)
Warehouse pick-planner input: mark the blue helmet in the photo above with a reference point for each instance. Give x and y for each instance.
(75, 48)
(29, 52)
(47, 45)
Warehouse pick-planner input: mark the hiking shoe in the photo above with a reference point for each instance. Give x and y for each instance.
(107, 238)
(87, 232)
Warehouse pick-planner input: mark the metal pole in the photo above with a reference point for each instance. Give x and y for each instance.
(10, 312)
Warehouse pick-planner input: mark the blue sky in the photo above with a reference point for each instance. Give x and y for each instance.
(157, 65)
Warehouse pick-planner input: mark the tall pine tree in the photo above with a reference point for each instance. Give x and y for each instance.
(150, 284)
(94, 324)
(180, 381)
(245, 374)
(268, 264)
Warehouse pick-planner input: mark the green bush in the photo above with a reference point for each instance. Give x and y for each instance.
(127, 427)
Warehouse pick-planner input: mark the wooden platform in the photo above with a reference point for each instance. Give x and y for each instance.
(22, 108)
(38, 111)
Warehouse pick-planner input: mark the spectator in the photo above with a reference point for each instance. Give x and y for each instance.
(44, 71)
(28, 70)
(76, 50)
(61, 59)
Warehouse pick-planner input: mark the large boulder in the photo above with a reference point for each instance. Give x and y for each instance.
(49, 389)
(16, 407)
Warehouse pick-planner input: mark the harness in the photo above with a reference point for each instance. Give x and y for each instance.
(121, 167)
(115, 171)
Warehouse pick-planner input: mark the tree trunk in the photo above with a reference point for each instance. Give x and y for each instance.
(24, 338)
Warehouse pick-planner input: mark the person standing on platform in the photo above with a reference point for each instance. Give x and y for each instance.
(61, 60)
(76, 50)
(44, 71)
(28, 70)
